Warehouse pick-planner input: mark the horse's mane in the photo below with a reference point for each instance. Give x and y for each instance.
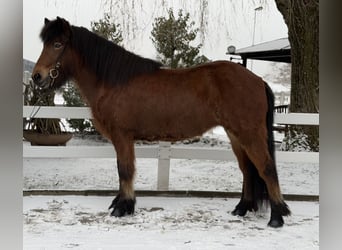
(111, 63)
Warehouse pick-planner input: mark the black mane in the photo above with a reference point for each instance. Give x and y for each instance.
(111, 63)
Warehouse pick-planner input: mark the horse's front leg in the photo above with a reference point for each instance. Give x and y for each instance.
(124, 202)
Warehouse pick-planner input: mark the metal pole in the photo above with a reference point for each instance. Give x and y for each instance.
(254, 26)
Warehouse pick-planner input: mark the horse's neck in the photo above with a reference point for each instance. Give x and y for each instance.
(88, 86)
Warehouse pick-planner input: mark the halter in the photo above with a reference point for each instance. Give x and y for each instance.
(54, 72)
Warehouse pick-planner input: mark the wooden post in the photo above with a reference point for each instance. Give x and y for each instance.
(164, 154)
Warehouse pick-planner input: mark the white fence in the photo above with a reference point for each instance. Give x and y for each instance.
(163, 152)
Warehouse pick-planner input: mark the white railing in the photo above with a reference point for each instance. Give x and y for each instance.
(163, 152)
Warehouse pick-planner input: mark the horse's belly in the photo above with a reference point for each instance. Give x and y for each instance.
(172, 127)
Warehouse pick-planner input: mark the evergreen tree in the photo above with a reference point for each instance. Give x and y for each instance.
(172, 37)
(107, 29)
(73, 98)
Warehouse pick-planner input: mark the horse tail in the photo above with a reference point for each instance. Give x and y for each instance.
(259, 186)
(260, 192)
(269, 121)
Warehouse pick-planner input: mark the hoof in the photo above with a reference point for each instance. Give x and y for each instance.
(239, 211)
(122, 207)
(275, 223)
(244, 206)
(278, 210)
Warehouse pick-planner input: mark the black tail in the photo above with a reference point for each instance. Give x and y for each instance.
(260, 193)
(269, 120)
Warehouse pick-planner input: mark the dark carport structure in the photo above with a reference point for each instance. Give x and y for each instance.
(278, 50)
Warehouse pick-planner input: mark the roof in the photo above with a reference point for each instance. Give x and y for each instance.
(278, 44)
(278, 50)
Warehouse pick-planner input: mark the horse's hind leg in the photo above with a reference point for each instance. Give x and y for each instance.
(257, 151)
(253, 187)
(124, 202)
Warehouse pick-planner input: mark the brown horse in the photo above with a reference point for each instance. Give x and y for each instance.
(134, 98)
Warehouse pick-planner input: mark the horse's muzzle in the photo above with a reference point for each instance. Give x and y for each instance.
(42, 83)
(36, 78)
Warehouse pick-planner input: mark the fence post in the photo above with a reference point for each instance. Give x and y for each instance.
(164, 153)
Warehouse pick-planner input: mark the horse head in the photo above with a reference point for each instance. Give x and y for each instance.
(52, 69)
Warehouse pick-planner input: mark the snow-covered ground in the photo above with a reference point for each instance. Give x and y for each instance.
(70, 222)
(160, 223)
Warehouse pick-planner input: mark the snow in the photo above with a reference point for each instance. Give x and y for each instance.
(71, 222)
(83, 222)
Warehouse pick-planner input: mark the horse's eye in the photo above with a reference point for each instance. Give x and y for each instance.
(57, 45)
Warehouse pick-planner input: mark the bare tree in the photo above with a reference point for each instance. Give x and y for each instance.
(172, 37)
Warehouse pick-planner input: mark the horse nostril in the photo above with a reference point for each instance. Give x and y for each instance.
(36, 78)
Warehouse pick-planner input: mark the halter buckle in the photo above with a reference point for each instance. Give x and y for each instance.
(53, 73)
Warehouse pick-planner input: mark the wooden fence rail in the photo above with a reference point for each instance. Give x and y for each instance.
(84, 113)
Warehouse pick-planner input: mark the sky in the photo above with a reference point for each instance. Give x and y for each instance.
(227, 24)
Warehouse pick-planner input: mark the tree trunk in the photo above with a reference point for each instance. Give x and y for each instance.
(302, 17)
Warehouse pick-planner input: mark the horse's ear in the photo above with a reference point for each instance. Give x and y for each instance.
(46, 21)
(62, 20)
(65, 25)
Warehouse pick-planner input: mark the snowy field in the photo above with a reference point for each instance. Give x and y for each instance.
(70, 222)
(159, 223)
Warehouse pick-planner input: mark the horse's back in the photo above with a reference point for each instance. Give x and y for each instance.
(235, 95)
(227, 77)
(232, 90)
